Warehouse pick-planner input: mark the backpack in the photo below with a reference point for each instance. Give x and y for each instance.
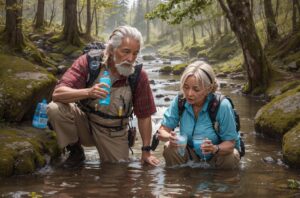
(213, 108)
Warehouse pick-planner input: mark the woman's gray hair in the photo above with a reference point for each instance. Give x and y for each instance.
(204, 74)
(115, 39)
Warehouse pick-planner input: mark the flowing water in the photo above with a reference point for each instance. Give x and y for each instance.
(262, 172)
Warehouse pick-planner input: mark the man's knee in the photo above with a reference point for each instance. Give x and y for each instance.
(52, 109)
(57, 109)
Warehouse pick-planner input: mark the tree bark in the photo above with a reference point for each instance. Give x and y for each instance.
(40, 14)
(181, 39)
(294, 17)
(95, 14)
(272, 31)
(225, 25)
(13, 34)
(63, 14)
(88, 19)
(194, 35)
(242, 24)
(53, 13)
(79, 16)
(70, 31)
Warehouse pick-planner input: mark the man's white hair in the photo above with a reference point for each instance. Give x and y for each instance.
(115, 39)
(121, 32)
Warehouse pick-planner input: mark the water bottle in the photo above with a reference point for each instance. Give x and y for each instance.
(105, 79)
(40, 117)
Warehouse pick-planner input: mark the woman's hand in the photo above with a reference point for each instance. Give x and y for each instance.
(207, 147)
(173, 139)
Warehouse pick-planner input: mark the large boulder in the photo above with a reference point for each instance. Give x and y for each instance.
(24, 149)
(291, 147)
(22, 86)
(280, 115)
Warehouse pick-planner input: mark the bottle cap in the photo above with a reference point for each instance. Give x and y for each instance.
(105, 73)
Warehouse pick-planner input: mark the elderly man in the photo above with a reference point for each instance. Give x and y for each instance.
(106, 127)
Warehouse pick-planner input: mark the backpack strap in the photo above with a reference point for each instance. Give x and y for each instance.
(133, 78)
(94, 58)
(213, 106)
(181, 102)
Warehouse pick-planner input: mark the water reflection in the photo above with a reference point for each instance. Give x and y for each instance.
(261, 173)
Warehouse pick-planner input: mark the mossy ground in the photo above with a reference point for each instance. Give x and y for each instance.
(24, 149)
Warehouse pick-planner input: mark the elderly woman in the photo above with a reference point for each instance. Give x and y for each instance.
(219, 148)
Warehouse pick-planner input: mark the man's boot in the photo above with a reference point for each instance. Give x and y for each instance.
(76, 156)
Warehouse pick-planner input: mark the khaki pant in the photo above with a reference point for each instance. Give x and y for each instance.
(72, 125)
(230, 161)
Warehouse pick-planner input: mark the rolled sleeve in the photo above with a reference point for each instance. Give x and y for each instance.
(76, 76)
(171, 115)
(143, 103)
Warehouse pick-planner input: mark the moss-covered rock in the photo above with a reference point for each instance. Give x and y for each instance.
(178, 69)
(22, 86)
(25, 149)
(291, 147)
(280, 115)
(166, 69)
(225, 48)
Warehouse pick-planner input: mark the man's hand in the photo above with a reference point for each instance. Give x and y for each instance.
(97, 91)
(148, 158)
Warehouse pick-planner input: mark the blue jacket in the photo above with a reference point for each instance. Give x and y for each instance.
(203, 125)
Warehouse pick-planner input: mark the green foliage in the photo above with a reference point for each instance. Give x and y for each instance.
(174, 11)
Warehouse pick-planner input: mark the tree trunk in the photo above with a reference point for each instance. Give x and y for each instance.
(88, 19)
(181, 39)
(194, 35)
(211, 31)
(242, 24)
(272, 31)
(294, 17)
(13, 34)
(40, 14)
(71, 32)
(53, 13)
(225, 25)
(79, 16)
(148, 22)
(63, 14)
(95, 14)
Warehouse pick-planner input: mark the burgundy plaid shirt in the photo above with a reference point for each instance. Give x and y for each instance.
(76, 77)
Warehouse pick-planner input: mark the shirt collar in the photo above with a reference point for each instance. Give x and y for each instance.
(205, 105)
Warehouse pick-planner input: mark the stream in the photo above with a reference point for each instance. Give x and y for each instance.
(262, 172)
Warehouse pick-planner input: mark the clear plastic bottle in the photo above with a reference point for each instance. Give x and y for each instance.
(40, 117)
(105, 79)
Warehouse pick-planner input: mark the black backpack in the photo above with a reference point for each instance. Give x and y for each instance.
(213, 108)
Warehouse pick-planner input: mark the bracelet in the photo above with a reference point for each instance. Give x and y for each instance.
(218, 149)
(146, 148)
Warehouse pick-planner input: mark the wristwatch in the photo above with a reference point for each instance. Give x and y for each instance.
(146, 148)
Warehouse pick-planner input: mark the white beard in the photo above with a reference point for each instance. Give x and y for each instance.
(124, 68)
